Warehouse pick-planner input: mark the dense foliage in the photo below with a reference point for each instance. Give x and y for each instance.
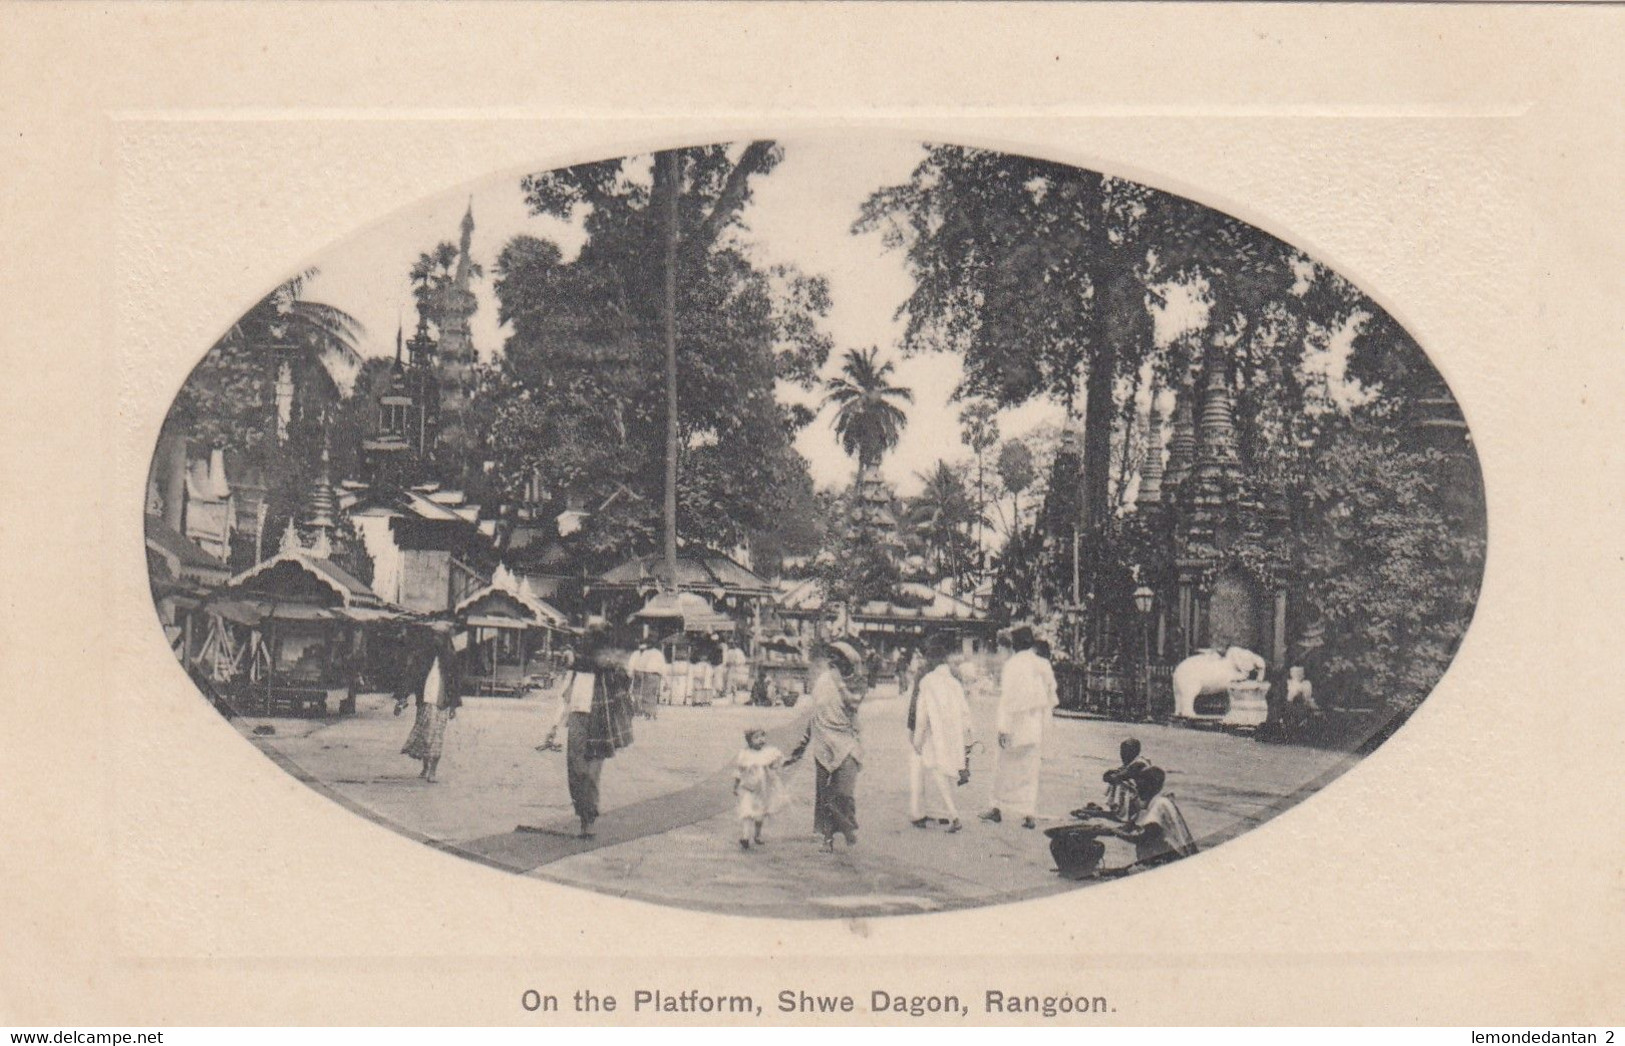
(578, 404)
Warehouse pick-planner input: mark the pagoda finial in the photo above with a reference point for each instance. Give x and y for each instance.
(463, 259)
(1151, 471)
(290, 539)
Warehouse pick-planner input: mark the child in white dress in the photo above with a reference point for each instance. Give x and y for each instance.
(758, 785)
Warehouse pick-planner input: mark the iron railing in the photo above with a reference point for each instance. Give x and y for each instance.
(1111, 690)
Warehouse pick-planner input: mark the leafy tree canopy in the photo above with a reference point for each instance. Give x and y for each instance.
(579, 401)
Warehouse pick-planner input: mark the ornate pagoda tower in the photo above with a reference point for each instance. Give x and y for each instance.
(1210, 597)
(408, 412)
(456, 306)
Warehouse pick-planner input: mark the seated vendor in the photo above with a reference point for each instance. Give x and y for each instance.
(1159, 833)
(1122, 794)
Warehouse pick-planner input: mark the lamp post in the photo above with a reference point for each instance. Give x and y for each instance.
(1144, 599)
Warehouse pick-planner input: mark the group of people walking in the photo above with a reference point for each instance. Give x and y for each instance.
(605, 688)
(941, 737)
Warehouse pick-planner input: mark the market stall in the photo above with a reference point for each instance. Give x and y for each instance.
(288, 637)
(511, 639)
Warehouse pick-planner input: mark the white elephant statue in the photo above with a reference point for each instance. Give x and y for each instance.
(1211, 672)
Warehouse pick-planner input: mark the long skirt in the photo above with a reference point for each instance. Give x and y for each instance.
(581, 772)
(835, 807)
(1015, 779)
(428, 734)
(646, 687)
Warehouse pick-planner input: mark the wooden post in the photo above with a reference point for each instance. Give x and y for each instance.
(1278, 639)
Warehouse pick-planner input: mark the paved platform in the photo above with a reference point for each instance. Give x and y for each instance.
(667, 831)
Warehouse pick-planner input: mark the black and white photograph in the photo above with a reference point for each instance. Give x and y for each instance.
(848, 526)
(720, 517)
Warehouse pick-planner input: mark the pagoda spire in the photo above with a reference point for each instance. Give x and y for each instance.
(1216, 439)
(1182, 445)
(322, 507)
(1151, 471)
(457, 357)
(463, 259)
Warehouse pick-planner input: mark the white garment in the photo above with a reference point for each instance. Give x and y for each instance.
(1027, 694)
(942, 722)
(679, 682)
(1015, 780)
(759, 784)
(652, 661)
(1176, 836)
(917, 773)
(433, 687)
(579, 698)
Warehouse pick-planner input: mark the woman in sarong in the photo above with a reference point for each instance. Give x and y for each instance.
(837, 748)
(433, 679)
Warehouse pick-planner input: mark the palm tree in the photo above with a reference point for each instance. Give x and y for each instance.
(433, 272)
(943, 515)
(233, 399)
(867, 421)
(285, 318)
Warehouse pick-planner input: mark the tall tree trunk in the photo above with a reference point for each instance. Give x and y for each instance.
(667, 177)
(1113, 295)
(1098, 416)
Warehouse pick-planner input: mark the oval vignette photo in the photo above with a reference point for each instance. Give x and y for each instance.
(817, 528)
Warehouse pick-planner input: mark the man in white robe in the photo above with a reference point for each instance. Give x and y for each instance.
(941, 732)
(1027, 694)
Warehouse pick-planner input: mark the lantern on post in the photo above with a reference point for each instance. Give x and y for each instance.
(1144, 599)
